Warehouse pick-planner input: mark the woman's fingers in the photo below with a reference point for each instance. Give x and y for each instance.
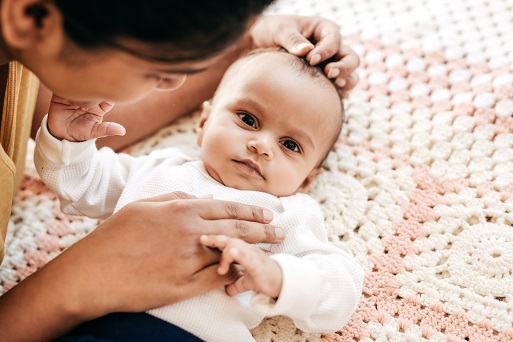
(345, 63)
(316, 38)
(342, 70)
(217, 209)
(319, 39)
(212, 209)
(327, 39)
(216, 217)
(251, 232)
(246, 222)
(348, 83)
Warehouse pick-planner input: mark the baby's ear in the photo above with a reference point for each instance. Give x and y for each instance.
(200, 126)
(311, 176)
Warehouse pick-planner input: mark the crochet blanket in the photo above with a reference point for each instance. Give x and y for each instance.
(419, 188)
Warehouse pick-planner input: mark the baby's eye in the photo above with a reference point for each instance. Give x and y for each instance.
(290, 145)
(248, 119)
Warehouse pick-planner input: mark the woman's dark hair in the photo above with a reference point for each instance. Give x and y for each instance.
(159, 30)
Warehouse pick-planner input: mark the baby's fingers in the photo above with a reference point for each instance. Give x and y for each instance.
(250, 257)
(236, 287)
(220, 242)
(106, 129)
(215, 241)
(56, 99)
(230, 247)
(230, 255)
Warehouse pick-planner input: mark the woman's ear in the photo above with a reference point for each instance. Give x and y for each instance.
(311, 176)
(25, 23)
(200, 126)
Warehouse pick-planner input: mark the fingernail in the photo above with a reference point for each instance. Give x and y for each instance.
(268, 215)
(206, 196)
(302, 46)
(280, 233)
(333, 73)
(315, 59)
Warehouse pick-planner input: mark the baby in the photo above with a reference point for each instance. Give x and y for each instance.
(263, 138)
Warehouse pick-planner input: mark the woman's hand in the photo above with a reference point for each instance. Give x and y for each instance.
(146, 255)
(72, 122)
(150, 250)
(316, 38)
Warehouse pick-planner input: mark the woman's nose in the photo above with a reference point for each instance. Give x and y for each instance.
(171, 82)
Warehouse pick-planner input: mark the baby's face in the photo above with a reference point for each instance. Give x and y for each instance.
(269, 127)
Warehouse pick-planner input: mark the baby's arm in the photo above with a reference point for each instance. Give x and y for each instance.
(88, 182)
(260, 272)
(307, 279)
(71, 122)
(322, 284)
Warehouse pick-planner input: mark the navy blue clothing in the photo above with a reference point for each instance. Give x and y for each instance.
(128, 327)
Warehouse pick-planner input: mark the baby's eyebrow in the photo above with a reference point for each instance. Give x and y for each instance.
(303, 136)
(253, 104)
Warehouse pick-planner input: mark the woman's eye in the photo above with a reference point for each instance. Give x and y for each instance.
(248, 120)
(160, 78)
(290, 145)
(163, 82)
(154, 77)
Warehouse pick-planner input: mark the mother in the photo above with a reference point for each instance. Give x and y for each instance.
(121, 51)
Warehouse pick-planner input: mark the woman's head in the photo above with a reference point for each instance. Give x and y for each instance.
(168, 31)
(121, 49)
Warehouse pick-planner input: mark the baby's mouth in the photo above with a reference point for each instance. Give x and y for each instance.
(251, 165)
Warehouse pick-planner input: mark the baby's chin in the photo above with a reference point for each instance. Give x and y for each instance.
(246, 186)
(238, 182)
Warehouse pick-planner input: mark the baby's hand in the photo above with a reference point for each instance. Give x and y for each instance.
(69, 121)
(260, 273)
